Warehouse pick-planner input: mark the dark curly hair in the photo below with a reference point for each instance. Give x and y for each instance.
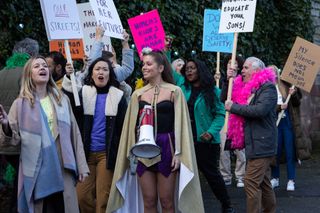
(207, 83)
(112, 76)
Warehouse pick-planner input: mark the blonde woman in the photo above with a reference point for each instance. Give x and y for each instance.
(52, 159)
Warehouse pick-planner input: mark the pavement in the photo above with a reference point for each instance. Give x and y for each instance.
(305, 198)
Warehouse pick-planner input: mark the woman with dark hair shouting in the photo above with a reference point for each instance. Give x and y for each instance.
(102, 112)
(207, 119)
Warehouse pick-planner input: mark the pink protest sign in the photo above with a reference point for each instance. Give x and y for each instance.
(147, 31)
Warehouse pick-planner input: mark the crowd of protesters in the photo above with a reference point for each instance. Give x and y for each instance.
(73, 158)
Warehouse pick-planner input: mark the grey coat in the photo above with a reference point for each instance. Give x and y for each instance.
(260, 122)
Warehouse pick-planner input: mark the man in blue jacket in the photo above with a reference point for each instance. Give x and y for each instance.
(254, 101)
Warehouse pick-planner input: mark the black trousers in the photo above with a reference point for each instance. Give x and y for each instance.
(208, 156)
(53, 203)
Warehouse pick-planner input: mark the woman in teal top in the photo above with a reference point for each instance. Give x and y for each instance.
(207, 119)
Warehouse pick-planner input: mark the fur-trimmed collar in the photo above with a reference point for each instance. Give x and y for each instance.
(89, 97)
(242, 94)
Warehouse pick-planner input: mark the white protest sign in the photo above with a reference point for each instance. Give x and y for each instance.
(61, 19)
(89, 24)
(237, 16)
(107, 16)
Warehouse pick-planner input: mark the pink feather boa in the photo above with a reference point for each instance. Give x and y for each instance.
(240, 94)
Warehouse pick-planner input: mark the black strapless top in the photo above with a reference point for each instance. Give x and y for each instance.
(165, 115)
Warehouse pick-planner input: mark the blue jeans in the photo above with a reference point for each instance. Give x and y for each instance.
(286, 139)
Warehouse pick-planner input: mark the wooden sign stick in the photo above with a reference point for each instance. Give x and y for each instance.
(233, 60)
(218, 69)
(72, 77)
(286, 102)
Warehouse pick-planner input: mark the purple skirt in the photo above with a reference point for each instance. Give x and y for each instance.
(166, 142)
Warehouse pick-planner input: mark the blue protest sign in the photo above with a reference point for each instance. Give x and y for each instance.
(213, 41)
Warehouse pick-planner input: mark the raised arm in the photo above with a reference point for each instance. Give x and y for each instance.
(127, 65)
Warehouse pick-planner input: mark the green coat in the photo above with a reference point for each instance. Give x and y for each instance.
(207, 120)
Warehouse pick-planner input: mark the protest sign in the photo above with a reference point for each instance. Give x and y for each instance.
(89, 24)
(61, 19)
(107, 16)
(76, 48)
(147, 31)
(237, 16)
(302, 64)
(213, 41)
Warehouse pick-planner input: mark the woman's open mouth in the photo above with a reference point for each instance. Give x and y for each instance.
(43, 73)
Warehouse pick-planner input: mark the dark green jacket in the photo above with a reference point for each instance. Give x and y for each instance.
(206, 119)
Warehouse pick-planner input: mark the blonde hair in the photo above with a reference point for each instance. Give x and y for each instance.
(276, 70)
(28, 88)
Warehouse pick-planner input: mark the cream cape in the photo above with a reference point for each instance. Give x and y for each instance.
(125, 194)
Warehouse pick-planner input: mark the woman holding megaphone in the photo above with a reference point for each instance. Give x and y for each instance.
(157, 177)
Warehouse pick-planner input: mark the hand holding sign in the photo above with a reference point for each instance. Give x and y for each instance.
(125, 41)
(99, 33)
(283, 106)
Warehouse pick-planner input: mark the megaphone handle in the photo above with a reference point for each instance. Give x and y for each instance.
(133, 164)
(141, 117)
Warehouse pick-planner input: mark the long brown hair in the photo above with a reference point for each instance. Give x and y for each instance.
(161, 59)
(28, 88)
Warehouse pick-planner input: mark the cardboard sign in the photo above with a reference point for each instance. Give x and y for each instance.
(147, 31)
(89, 24)
(213, 41)
(237, 16)
(61, 19)
(76, 48)
(302, 64)
(107, 16)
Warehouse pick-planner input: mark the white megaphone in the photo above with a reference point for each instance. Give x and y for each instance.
(146, 146)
